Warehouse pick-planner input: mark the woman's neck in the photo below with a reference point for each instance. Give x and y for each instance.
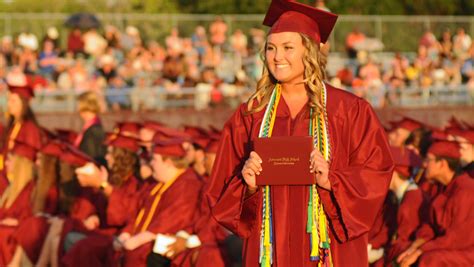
(293, 90)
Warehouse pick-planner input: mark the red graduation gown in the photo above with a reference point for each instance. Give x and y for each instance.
(411, 213)
(173, 213)
(450, 235)
(360, 172)
(32, 231)
(20, 210)
(210, 233)
(121, 207)
(29, 133)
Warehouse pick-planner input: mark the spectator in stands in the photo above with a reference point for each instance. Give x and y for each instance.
(199, 39)
(48, 59)
(218, 31)
(467, 69)
(117, 98)
(94, 43)
(52, 35)
(107, 67)
(446, 43)
(354, 37)
(174, 43)
(75, 42)
(91, 138)
(461, 44)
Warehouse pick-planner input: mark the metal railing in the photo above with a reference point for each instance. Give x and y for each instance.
(198, 98)
(391, 30)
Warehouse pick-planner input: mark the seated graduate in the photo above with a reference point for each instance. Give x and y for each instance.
(167, 208)
(447, 238)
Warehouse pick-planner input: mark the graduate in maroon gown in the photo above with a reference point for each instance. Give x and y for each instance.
(120, 188)
(167, 208)
(201, 243)
(351, 162)
(15, 201)
(42, 238)
(382, 231)
(21, 123)
(466, 142)
(32, 231)
(447, 239)
(412, 202)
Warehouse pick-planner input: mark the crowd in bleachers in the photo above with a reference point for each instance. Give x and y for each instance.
(446, 61)
(218, 62)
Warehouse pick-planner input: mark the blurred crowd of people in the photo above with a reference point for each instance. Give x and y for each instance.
(443, 62)
(217, 63)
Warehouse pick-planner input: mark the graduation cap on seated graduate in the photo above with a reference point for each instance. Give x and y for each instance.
(169, 147)
(129, 143)
(66, 135)
(407, 123)
(128, 128)
(75, 157)
(54, 147)
(24, 149)
(466, 135)
(442, 148)
(291, 16)
(405, 160)
(152, 125)
(198, 134)
(28, 143)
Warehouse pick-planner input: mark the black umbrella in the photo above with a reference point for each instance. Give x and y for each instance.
(82, 21)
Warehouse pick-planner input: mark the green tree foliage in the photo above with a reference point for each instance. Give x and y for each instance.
(363, 7)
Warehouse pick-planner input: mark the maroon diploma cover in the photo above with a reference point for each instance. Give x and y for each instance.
(285, 160)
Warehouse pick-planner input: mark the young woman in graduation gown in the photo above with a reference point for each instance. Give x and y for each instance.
(15, 201)
(21, 124)
(120, 187)
(326, 223)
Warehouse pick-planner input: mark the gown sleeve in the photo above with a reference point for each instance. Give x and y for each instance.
(226, 195)
(360, 182)
(459, 234)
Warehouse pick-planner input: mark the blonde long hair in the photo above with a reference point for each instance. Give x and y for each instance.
(314, 75)
(21, 173)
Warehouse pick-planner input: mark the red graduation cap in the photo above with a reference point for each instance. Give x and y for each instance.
(168, 132)
(448, 149)
(25, 150)
(75, 157)
(126, 142)
(67, 135)
(195, 131)
(437, 134)
(152, 125)
(466, 134)
(28, 137)
(213, 144)
(20, 85)
(53, 148)
(404, 160)
(291, 16)
(128, 128)
(170, 147)
(407, 123)
(199, 135)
